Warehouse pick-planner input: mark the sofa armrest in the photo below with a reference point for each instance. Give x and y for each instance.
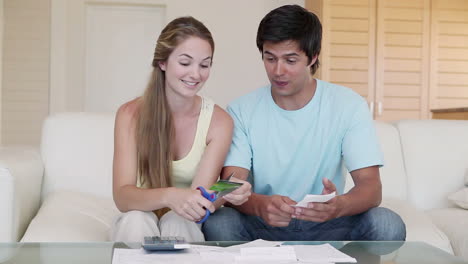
(21, 173)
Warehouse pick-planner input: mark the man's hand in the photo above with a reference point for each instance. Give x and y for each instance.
(321, 212)
(241, 195)
(276, 210)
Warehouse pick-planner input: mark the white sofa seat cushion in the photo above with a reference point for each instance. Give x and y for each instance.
(72, 216)
(419, 226)
(454, 222)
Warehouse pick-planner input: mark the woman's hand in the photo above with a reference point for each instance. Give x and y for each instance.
(241, 195)
(189, 203)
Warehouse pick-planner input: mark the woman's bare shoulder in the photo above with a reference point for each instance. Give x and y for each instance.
(127, 112)
(130, 107)
(221, 121)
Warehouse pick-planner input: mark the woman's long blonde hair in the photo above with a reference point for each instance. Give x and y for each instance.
(155, 131)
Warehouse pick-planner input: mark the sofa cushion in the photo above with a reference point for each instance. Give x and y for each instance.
(434, 153)
(460, 198)
(454, 222)
(77, 151)
(419, 226)
(72, 216)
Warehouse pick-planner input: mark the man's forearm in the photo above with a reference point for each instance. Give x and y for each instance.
(249, 207)
(359, 200)
(366, 193)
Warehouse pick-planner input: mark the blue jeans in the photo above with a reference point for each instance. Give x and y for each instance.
(228, 224)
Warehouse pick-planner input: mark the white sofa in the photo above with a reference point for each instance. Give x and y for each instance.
(64, 191)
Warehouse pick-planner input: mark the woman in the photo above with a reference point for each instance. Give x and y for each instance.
(170, 141)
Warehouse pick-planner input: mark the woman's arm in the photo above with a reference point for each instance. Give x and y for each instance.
(186, 202)
(219, 140)
(126, 194)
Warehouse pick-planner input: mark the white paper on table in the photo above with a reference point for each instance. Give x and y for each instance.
(272, 254)
(317, 198)
(230, 253)
(140, 256)
(251, 252)
(255, 243)
(321, 253)
(214, 254)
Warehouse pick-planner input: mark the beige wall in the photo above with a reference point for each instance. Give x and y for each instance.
(26, 62)
(25, 84)
(1, 64)
(237, 68)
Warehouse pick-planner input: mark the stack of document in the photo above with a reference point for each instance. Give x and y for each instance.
(266, 255)
(258, 251)
(321, 253)
(315, 198)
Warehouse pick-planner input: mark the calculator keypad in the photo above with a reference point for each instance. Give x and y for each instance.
(162, 243)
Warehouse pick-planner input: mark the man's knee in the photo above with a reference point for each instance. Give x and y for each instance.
(385, 225)
(226, 224)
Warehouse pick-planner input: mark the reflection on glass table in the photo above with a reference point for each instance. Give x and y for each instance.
(90, 253)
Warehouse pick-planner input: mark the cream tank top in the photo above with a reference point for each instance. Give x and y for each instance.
(184, 170)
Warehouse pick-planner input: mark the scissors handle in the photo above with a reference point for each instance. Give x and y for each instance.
(209, 196)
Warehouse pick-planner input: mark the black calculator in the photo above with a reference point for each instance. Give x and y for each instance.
(155, 243)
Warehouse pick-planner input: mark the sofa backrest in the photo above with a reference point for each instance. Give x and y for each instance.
(436, 159)
(77, 152)
(392, 174)
(425, 160)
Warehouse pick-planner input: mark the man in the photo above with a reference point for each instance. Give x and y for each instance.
(294, 137)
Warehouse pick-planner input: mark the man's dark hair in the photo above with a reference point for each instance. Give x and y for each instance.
(292, 22)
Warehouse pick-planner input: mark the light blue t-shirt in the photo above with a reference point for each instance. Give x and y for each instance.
(289, 152)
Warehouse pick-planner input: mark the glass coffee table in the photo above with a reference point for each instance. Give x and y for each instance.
(101, 253)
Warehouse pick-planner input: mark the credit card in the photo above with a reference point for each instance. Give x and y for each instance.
(223, 187)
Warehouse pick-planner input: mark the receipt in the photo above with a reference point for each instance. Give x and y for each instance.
(309, 198)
